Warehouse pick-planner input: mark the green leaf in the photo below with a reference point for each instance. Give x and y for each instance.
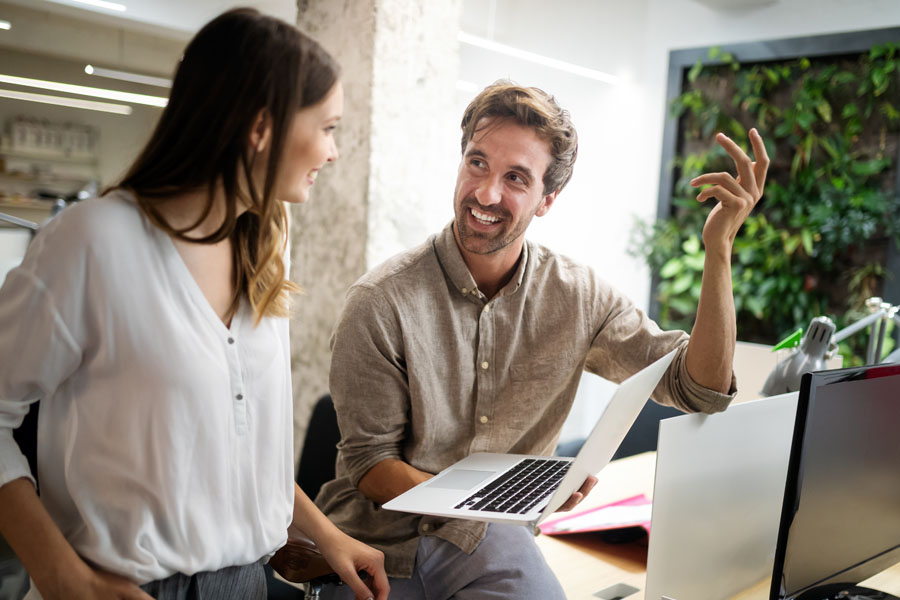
(888, 110)
(824, 110)
(807, 237)
(691, 245)
(805, 119)
(683, 305)
(682, 283)
(695, 261)
(829, 148)
(695, 71)
(870, 167)
(673, 267)
(850, 110)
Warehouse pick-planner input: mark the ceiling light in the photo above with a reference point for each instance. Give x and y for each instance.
(126, 76)
(493, 46)
(5, 24)
(98, 3)
(119, 109)
(84, 90)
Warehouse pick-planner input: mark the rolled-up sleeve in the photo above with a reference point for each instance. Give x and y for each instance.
(369, 382)
(627, 340)
(38, 352)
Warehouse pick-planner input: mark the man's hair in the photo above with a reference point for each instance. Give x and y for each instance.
(534, 108)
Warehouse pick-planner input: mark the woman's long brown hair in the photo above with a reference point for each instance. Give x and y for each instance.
(240, 63)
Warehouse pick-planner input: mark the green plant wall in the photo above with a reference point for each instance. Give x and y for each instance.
(817, 243)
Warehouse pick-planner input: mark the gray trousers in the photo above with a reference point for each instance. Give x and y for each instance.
(507, 564)
(231, 583)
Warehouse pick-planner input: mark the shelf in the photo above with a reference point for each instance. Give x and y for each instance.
(46, 179)
(39, 156)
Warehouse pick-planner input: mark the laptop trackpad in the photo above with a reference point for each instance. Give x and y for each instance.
(460, 479)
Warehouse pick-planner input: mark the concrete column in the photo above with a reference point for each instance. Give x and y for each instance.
(399, 151)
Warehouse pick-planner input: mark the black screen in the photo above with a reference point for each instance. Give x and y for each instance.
(841, 516)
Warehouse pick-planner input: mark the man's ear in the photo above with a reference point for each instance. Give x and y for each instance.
(261, 132)
(546, 203)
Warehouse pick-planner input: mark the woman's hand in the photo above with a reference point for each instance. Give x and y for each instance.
(92, 584)
(348, 557)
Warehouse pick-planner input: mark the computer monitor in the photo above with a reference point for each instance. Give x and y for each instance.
(840, 520)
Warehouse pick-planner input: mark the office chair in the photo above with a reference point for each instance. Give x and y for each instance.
(299, 561)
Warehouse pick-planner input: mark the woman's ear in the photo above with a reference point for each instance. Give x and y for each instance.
(261, 132)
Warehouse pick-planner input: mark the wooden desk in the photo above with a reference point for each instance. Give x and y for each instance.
(585, 565)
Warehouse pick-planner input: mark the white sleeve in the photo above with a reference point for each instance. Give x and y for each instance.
(38, 353)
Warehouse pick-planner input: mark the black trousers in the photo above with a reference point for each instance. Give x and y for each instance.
(231, 583)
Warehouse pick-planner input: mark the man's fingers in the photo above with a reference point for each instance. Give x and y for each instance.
(721, 194)
(588, 485)
(761, 165)
(722, 179)
(572, 502)
(742, 161)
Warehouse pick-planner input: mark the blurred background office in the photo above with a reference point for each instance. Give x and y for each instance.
(410, 68)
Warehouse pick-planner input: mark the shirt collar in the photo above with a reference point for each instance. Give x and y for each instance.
(457, 272)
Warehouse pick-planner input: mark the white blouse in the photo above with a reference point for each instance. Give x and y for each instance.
(165, 437)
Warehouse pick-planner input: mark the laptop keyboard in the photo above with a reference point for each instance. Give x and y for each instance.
(519, 489)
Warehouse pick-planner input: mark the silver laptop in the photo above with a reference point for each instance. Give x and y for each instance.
(521, 489)
(717, 499)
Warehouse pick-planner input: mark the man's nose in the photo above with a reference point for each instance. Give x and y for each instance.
(489, 192)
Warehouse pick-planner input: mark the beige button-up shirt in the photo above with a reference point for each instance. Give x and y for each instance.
(427, 370)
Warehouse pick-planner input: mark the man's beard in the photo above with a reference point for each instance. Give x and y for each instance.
(478, 242)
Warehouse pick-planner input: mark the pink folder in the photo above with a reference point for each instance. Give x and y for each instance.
(630, 512)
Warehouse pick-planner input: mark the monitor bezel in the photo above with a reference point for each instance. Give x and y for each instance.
(805, 402)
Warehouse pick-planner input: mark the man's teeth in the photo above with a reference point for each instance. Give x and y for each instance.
(483, 218)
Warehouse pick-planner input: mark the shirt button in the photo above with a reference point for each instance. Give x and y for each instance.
(483, 419)
(474, 292)
(487, 308)
(465, 290)
(484, 365)
(240, 396)
(426, 527)
(231, 340)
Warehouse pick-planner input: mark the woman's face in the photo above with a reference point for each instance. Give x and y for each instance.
(309, 145)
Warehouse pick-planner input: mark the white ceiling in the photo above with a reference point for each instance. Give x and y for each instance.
(180, 17)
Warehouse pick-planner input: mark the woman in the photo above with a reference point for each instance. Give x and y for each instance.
(151, 324)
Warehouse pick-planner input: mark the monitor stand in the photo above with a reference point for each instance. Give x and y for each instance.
(844, 591)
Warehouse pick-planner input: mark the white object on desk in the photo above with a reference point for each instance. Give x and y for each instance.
(717, 498)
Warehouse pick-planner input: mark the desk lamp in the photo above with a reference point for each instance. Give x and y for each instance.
(809, 356)
(821, 340)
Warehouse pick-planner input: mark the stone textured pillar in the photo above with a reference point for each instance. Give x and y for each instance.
(398, 153)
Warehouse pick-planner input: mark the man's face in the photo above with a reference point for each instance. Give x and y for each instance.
(499, 187)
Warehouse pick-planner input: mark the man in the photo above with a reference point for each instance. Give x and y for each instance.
(476, 340)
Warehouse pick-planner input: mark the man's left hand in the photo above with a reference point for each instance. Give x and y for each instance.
(580, 495)
(736, 197)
